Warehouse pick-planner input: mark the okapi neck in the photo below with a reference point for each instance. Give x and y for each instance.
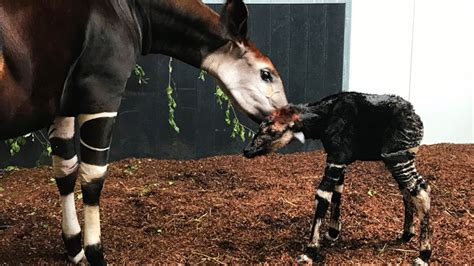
(186, 30)
(311, 123)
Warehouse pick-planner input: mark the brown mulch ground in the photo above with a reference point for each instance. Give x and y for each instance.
(231, 209)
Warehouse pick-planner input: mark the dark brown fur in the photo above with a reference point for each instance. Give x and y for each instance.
(41, 40)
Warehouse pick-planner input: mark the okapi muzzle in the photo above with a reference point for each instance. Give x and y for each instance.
(278, 129)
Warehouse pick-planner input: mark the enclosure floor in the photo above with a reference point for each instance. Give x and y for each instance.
(231, 209)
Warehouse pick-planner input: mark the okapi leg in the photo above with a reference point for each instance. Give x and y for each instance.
(408, 227)
(335, 223)
(95, 133)
(65, 164)
(402, 166)
(332, 174)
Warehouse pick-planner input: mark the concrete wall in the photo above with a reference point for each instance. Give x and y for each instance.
(422, 50)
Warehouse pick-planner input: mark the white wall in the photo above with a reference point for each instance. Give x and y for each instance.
(422, 50)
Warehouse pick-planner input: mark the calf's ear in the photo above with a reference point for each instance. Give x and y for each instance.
(234, 16)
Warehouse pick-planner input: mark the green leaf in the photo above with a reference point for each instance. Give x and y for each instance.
(49, 150)
(130, 169)
(371, 192)
(236, 124)
(11, 168)
(230, 117)
(227, 116)
(202, 75)
(173, 124)
(171, 108)
(242, 133)
(14, 148)
(15, 143)
(140, 73)
(219, 92)
(169, 90)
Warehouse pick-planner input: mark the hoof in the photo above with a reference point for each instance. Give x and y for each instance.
(95, 255)
(406, 236)
(312, 251)
(78, 258)
(303, 260)
(420, 262)
(74, 250)
(329, 238)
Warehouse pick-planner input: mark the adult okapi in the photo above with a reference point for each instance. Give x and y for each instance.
(67, 60)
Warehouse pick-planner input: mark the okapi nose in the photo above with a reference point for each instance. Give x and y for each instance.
(250, 151)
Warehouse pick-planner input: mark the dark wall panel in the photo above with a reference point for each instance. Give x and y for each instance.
(298, 54)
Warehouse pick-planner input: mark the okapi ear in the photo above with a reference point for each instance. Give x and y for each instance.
(234, 16)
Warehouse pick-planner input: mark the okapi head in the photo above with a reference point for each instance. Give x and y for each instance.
(277, 130)
(247, 76)
(192, 32)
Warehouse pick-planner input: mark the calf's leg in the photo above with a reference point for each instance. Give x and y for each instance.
(335, 223)
(332, 174)
(65, 165)
(402, 166)
(408, 227)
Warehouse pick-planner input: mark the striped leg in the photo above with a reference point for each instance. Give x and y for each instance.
(332, 174)
(402, 166)
(65, 164)
(96, 133)
(408, 227)
(335, 223)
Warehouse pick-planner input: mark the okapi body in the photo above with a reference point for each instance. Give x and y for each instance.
(354, 126)
(67, 62)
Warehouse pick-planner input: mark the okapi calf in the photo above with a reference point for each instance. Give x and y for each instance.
(354, 126)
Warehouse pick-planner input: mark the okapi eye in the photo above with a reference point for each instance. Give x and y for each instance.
(265, 75)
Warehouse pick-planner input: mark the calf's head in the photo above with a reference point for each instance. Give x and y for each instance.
(277, 130)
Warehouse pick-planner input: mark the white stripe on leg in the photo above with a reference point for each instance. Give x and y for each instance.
(70, 224)
(324, 195)
(89, 172)
(315, 240)
(63, 128)
(87, 117)
(91, 225)
(339, 188)
(76, 259)
(62, 167)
